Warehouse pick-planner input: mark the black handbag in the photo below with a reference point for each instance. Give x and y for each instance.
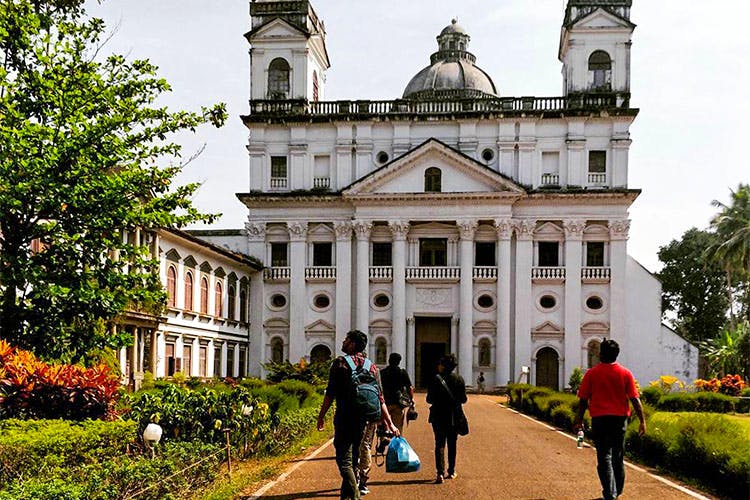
(411, 413)
(460, 423)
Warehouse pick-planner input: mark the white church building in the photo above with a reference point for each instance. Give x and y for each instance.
(452, 218)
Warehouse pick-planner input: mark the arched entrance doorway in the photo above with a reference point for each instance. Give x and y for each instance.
(320, 353)
(547, 366)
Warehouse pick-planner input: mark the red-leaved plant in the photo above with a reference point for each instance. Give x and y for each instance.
(30, 388)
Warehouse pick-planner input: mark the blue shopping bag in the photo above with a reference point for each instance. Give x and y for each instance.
(401, 457)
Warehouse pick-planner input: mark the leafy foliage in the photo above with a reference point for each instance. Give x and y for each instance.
(30, 388)
(576, 377)
(312, 373)
(730, 351)
(85, 154)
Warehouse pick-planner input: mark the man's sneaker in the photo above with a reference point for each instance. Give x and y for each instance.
(363, 490)
(439, 479)
(452, 475)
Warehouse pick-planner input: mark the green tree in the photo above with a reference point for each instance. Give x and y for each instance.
(729, 353)
(85, 154)
(693, 287)
(732, 248)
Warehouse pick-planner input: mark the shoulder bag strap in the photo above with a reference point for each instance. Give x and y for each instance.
(350, 362)
(445, 386)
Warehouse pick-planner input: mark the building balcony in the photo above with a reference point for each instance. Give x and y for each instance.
(433, 273)
(321, 183)
(550, 180)
(485, 274)
(277, 274)
(547, 274)
(381, 274)
(320, 274)
(278, 183)
(597, 180)
(595, 274)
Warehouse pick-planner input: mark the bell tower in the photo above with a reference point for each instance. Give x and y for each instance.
(288, 56)
(595, 45)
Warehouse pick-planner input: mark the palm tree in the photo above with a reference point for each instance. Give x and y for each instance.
(729, 353)
(732, 250)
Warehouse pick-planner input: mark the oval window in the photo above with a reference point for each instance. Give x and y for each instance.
(278, 300)
(488, 154)
(547, 302)
(383, 157)
(594, 303)
(381, 300)
(322, 301)
(485, 301)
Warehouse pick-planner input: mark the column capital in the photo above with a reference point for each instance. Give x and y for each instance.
(343, 230)
(618, 229)
(256, 231)
(410, 321)
(399, 229)
(574, 228)
(504, 228)
(297, 230)
(362, 228)
(455, 320)
(467, 228)
(524, 229)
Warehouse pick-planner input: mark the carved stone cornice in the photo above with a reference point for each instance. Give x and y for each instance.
(343, 230)
(399, 229)
(467, 228)
(524, 229)
(618, 229)
(256, 231)
(504, 228)
(362, 228)
(297, 231)
(574, 228)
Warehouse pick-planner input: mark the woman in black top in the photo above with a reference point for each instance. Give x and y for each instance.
(443, 411)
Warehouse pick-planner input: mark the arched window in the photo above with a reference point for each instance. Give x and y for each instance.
(243, 305)
(230, 303)
(319, 354)
(171, 286)
(204, 295)
(432, 180)
(278, 79)
(188, 291)
(547, 367)
(218, 299)
(277, 350)
(600, 70)
(381, 351)
(485, 352)
(593, 352)
(316, 89)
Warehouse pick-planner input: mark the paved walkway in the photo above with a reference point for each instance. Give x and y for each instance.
(506, 456)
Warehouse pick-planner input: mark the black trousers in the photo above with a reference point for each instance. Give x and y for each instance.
(445, 435)
(346, 438)
(609, 438)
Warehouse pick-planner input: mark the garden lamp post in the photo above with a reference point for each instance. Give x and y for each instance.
(151, 436)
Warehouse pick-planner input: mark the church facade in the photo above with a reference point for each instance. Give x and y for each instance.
(451, 219)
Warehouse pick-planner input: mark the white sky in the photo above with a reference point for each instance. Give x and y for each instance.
(690, 79)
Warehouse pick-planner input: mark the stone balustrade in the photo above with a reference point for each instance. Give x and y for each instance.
(320, 273)
(554, 274)
(277, 273)
(485, 273)
(381, 273)
(433, 273)
(595, 274)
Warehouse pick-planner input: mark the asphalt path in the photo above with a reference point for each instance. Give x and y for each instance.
(505, 456)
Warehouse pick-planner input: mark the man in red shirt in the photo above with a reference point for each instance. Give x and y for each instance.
(607, 390)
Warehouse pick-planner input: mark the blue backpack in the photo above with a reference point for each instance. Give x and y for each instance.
(366, 391)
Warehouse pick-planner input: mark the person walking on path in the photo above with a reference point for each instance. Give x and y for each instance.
(397, 390)
(446, 393)
(607, 390)
(348, 421)
(480, 383)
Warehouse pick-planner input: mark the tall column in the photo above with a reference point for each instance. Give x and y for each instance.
(297, 290)
(466, 230)
(618, 236)
(524, 230)
(454, 333)
(411, 350)
(573, 252)
(502, 339)
(399, 229)
(343, 280)
(363, 229)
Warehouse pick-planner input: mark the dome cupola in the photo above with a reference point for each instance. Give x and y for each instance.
(452, 72)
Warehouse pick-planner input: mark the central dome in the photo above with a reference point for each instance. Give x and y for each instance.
(452, 72)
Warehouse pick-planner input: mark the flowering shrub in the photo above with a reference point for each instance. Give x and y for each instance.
(731, 385)
(30, 388)
(667, 383)
(707, 385)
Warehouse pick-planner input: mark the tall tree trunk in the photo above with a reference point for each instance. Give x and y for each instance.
(731, 300)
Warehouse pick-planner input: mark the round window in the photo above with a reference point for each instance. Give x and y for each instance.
(278, 300)
(488, 154)
(383, 157)
(547, 302)
(485, 301)
(381, 300)
(594, 303)
(322, 301)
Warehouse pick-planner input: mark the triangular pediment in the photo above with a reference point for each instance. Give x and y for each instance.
(458, 174)
(602, 19)
(275, 28)
(548, 328)
(320, 326)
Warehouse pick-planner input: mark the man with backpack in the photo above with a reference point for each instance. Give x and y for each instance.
(354, 383)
